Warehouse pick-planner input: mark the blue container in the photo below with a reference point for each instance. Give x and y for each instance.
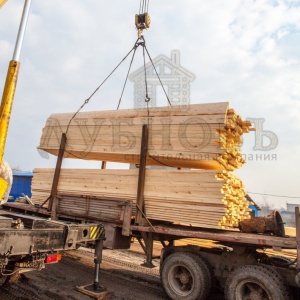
(21, 185)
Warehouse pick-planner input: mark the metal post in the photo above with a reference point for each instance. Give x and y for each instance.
(103, 165)
(53, 197)
(95, 290)
(97, 261)
(22, 29)
(297, 218)
(148, 239)
(142, 175)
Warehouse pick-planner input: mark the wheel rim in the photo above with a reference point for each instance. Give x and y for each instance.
(181, 280)
(251, 290)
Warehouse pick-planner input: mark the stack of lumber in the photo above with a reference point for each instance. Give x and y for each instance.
(202, 198)
(205, 136)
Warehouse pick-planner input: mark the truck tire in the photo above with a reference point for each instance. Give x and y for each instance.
(255, 282)
(185, 276)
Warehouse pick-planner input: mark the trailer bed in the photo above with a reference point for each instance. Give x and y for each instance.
(165, 231)
(223, 236)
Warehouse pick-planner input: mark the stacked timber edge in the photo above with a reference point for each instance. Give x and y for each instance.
(199, 198)
(203, 136)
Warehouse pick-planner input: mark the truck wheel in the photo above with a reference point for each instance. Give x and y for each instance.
(185, 276)
(255, 282)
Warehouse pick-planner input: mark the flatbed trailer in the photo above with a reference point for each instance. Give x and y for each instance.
(238, 263)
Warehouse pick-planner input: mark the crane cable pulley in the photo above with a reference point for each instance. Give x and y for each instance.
(142, 20)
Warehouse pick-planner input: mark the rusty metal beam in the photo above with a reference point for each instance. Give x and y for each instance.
(146, 242)
(142, 174)
(53, 196)
(148, 239)
(225, 236)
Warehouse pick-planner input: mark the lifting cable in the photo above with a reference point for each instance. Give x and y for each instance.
(135, 47)
(147, 99)
(142, 21)
(97, 89)
(144, 7)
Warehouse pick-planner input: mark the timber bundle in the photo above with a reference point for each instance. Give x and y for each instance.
(189, 197)
(206, 137)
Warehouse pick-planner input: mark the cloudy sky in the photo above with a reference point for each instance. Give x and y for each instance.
(245, 52)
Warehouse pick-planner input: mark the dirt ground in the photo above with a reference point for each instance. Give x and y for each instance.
(121, 273)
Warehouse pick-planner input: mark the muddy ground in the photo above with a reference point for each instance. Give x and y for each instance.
(121, 273)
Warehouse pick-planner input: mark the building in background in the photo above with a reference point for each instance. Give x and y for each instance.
(288, 215)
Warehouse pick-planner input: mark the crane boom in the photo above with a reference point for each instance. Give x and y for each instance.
(2, 2)
(8, 95)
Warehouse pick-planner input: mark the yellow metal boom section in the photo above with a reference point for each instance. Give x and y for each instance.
(2, 2)
(7, 102)
(3, 187)
(8, 98)
(5, 112)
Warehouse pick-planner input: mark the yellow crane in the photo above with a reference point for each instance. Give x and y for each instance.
(2, 2)
(8, 98)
